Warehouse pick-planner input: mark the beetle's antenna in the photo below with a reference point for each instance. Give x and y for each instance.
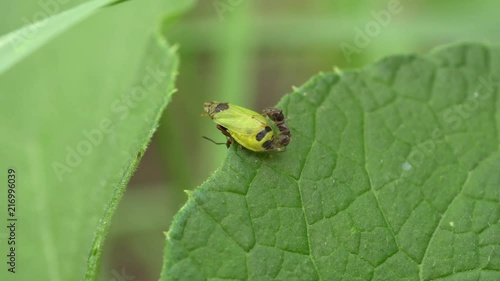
(217, 143)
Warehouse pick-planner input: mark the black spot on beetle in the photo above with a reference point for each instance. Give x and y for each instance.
(263, 133)
(268, 144)
(221, 107)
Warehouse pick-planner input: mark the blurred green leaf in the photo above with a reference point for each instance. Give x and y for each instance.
(18, 44)
(392, 174)
(79, 114)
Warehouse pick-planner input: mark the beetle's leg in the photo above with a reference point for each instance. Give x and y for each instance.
(224, 131)
(229, 142)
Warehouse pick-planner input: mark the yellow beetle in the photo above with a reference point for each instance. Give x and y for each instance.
(254, 131)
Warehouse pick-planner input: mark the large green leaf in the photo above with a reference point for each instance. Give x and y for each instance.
(392, 174)
(75, 119)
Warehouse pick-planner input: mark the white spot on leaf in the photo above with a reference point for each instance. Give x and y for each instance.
(406, 166)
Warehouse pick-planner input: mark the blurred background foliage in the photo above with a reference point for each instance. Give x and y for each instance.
(251, 53)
